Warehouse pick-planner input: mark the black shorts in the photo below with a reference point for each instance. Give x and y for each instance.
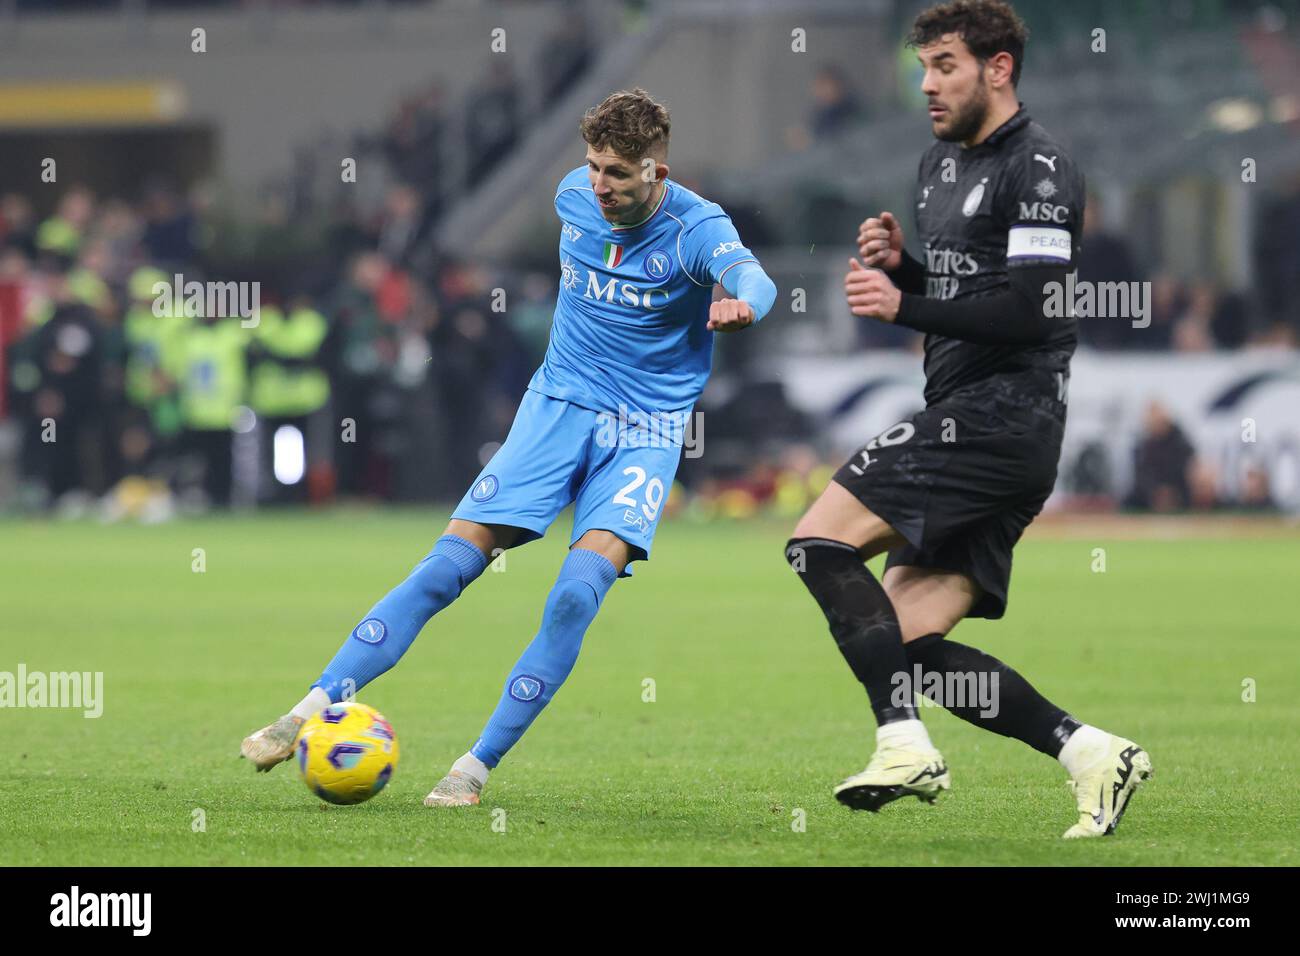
(962, 480)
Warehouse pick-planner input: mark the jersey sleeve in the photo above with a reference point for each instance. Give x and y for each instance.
(1042, 206)
(710, 247)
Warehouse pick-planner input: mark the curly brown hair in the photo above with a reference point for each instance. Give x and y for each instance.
(629, 122)
(988, 27)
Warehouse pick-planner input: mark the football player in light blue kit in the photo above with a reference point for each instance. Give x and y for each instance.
(601, 426)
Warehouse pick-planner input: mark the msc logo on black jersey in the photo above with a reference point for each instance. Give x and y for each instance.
(1045, 212)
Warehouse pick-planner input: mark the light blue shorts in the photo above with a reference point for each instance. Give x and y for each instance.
(617, 478)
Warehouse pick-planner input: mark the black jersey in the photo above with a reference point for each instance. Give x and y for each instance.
(1013, 200)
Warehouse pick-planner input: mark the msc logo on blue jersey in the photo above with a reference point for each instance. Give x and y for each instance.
(371, 630)
(658, 265)
(526, 688)
(485, 489)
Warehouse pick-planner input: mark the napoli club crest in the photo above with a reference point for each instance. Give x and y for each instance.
(525, 687)
(485, 489)
(658, 265)
(371, 630)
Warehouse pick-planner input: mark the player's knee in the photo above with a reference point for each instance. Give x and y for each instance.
(815, 524)
(570, 608)
(438, 580)
(571, 603)
(797, 549)
(452, 565)
(479, 534)
(923, 650)
(915, 622)
(839, 516)
(608, 545)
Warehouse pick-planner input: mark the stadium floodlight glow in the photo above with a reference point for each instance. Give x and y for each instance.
(1235, 115)
(290, 458)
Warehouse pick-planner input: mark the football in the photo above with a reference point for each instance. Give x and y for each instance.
(347, 753)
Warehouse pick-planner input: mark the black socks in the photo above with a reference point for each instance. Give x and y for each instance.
(861, 618)
(1019, 711)
(865, 627)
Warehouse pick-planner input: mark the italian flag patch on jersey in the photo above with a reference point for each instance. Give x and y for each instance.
(613, 255)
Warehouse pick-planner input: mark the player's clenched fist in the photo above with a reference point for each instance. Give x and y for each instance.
(730, 315)
(880, 242)
(870, 293)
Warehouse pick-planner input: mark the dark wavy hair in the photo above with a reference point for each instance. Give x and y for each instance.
(987, 27)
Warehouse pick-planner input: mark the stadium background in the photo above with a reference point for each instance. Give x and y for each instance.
(415, 301)
(117, 554)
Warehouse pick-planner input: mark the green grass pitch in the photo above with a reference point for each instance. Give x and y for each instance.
(755, 715)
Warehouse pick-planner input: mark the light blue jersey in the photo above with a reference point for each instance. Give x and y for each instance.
(603, 422)
(630, 319)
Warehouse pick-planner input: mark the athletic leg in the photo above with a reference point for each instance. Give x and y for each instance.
(831, 543)
(830, 546)
(588, 572)
(390, 627)
(386, 632)
(930, 602)
(1105, 769)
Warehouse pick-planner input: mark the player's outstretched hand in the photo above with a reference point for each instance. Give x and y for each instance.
(870, 293)
(880, 242)
(730, 315)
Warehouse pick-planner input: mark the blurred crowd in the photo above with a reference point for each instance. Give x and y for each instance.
(370, 352)
(1200, 315)
(1169, 475)
(117, 382)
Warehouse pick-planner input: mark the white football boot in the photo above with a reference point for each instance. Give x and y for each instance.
(457, 789)
(1103, 789)
(896, 770)
(273, 744)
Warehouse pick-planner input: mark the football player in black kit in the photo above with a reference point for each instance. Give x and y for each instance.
(948, 492)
